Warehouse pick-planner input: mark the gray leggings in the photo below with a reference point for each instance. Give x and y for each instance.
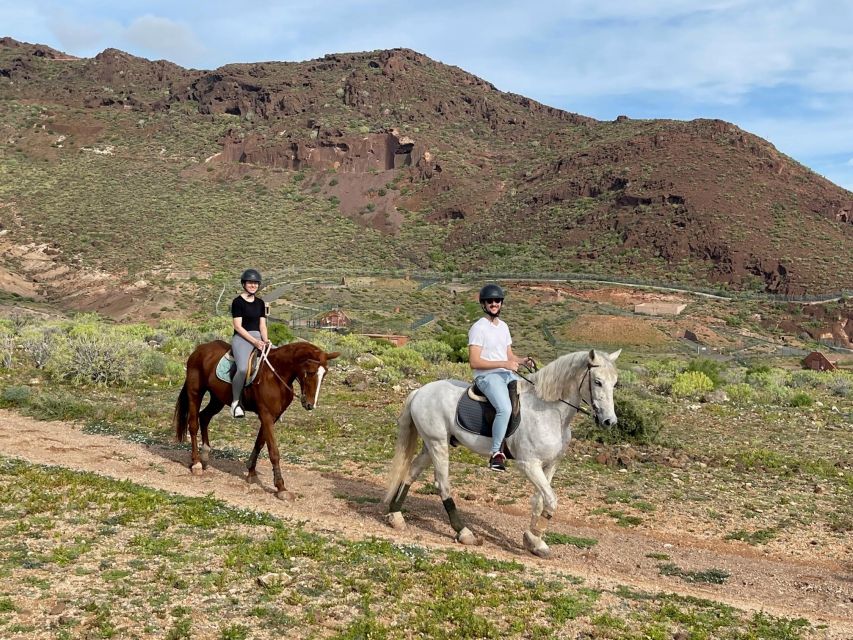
(241, 349)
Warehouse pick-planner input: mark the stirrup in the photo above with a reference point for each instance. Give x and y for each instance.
(237, 410)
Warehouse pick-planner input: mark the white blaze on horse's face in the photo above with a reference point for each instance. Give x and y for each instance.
(320, 373)
(603, 376)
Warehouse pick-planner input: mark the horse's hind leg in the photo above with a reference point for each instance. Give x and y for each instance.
(441, 462)
(192, 422)
(395, 517)
(213, 407)
(251, 465)
(543, 505)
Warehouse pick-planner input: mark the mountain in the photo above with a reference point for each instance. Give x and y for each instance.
(388, 159)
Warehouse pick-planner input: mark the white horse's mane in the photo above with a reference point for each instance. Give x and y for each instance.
(552, 380)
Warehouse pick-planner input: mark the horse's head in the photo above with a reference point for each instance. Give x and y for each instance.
(310, 375)
(602, 375)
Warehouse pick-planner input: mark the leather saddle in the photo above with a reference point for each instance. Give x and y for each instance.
(474, 413)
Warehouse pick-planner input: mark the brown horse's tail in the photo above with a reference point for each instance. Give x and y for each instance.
(182, 411)
(405, 450)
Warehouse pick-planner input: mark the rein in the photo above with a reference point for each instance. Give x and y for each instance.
(593, 415)
(264, 359)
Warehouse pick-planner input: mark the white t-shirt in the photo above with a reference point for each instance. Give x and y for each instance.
(493, 339)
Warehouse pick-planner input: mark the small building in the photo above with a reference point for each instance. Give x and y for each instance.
(334, 319)
(659, 308)
(816, 361)
(396, 340)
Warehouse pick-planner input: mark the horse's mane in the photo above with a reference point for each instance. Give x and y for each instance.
(295, 351)
(552, 380)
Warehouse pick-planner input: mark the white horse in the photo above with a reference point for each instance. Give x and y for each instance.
(540, 442)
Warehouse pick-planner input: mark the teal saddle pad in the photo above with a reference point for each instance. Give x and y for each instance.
(226, 368)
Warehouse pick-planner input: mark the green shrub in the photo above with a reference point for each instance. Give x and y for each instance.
(178, 327)
(351, 346)
(772, 393)
(639, 421)
(279, 333)
(15, 396)
(806, 379)
(101, 358)
(841, 384)
(433, 350)
(740, 393)
(458, 342)
(7, 349)
(800, 399)
(39, 342)
(408, 361)
(690, 384)
(215, 328)
(179, 345)
(710, 368)
(389, 375)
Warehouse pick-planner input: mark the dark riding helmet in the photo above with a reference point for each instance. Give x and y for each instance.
(490, 292)
(250, 275)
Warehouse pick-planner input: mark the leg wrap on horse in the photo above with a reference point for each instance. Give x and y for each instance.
(538, 525)
(455, 520)
(399, 497)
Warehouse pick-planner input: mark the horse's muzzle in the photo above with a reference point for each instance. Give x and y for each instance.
(305, 404)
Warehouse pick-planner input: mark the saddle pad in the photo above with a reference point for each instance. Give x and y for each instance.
(477, 417)
(226, 368)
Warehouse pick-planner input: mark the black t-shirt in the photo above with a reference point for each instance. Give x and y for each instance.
(251, 312)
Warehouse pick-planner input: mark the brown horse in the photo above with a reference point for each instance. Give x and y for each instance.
(268, 396)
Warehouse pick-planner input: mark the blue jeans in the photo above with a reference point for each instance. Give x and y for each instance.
(493, 385)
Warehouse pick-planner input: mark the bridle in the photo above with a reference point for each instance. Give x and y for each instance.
(264, 359)
(594, 413)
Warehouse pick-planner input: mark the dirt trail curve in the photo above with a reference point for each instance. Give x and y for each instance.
(814, 588)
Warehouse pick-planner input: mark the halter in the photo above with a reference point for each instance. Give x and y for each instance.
(589, 367)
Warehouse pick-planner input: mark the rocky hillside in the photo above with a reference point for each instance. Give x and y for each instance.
(402, 162)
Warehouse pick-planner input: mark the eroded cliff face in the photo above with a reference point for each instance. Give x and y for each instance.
(327, 150)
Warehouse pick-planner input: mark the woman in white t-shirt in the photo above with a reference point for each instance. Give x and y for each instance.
(490, 356)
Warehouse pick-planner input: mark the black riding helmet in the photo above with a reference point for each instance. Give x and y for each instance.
(491, 292)
(250, 275)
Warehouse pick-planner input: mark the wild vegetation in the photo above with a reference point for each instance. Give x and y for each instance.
(755, 465)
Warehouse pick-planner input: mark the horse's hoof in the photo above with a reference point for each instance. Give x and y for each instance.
(466, 537)
(197, 469)
(536, 545)
(252, 478)
(395, 520)
(285, 495)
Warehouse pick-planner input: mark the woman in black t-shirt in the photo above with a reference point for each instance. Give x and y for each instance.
(250, 332)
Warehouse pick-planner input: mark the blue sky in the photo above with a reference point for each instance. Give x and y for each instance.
(782, 69)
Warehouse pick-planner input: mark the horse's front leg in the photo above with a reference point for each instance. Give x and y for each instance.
(441, 462)
(267, 424)
(543, 506)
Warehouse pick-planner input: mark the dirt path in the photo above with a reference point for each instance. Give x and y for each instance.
(814, 588)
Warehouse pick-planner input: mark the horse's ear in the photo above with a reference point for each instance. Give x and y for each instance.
(614, 355)
(592, 356)
(333, 355)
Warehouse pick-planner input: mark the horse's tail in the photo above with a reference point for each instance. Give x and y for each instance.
(404, 452)
(182, 412)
